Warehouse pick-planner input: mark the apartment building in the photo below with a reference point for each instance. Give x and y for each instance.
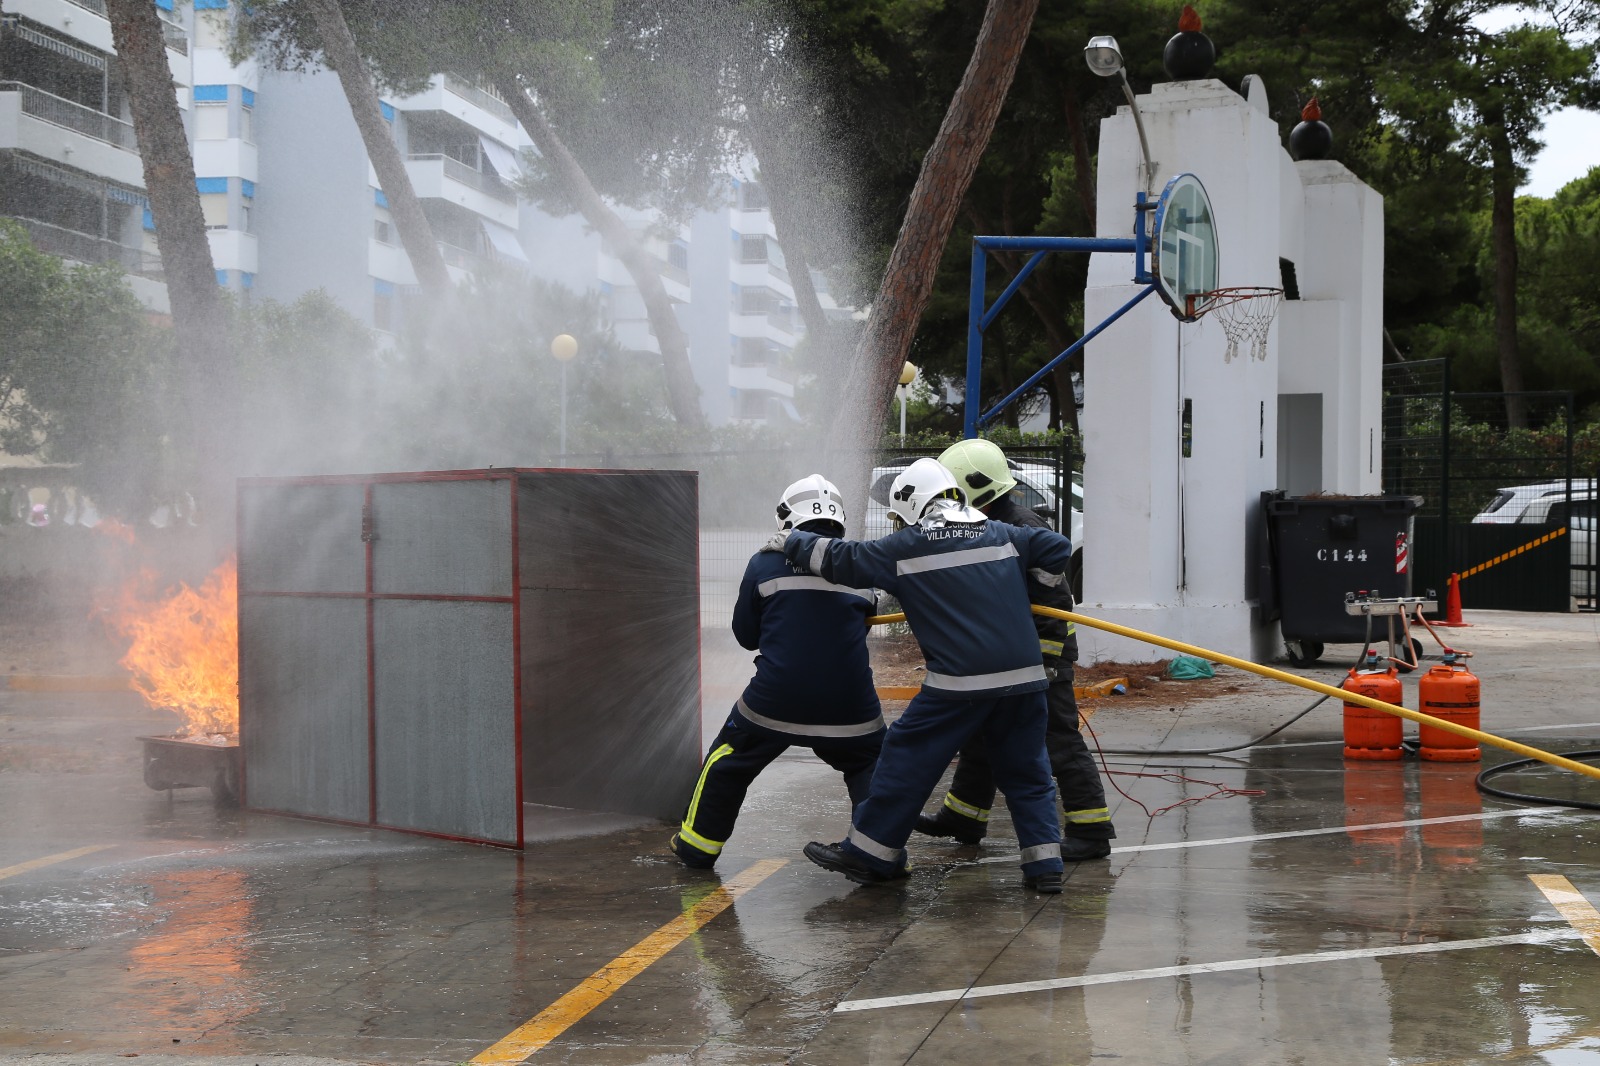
(292, 203)
(69, 164)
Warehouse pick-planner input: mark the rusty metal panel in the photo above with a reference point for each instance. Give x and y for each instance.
(442, 538)
(303, 705)
(445, 717)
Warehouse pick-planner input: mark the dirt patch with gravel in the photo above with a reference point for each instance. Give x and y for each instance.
(897, 661)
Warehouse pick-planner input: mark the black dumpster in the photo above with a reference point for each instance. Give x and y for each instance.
(1321, 548)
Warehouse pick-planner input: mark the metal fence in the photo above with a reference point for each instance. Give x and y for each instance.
(1503, 509)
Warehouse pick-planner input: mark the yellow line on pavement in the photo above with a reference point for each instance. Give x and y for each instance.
(598, 987)
(50, 860)
(1569, 902)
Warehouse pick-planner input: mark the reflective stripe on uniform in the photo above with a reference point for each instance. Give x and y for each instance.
(1089, 816)
(978, 682)
(991, 553)
(1040, 851)
(790, 584)
(860, 840)
(1046, 578)
(852, 729)
(966, 810)
(819, 552)
(1052, 647)
(711, 847)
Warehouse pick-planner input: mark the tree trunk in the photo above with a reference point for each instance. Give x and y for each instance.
(683, 395)
(416, 235)
(199, 318)
(1503, 239)
(946, 173)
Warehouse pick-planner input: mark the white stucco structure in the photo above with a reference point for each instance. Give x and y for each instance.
(1173, 543)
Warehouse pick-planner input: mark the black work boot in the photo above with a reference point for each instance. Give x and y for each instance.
(691, 856)
(1077, 849)
(834, 857)
(1047, 883)
(947, 823)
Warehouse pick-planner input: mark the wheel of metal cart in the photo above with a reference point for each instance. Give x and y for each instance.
(1303, 652)
(225, 788)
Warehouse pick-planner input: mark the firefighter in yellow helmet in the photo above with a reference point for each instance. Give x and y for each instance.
(980, 467)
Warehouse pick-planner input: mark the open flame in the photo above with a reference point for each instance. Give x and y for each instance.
(184, 649)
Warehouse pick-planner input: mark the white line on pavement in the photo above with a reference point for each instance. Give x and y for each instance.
(1177, 844)
(1543, 936)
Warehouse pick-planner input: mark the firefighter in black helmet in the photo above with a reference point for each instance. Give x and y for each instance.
(982, 470)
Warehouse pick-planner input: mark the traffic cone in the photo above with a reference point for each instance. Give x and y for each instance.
(1452, 605)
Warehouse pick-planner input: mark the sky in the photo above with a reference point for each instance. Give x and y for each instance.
(1572, 146)
(1571, 136)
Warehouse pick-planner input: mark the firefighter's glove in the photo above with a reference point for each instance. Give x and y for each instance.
(776, 542)
(1052, 666)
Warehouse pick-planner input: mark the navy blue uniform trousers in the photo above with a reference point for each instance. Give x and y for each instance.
(1083, 797)
(921, 743)
(738, 754)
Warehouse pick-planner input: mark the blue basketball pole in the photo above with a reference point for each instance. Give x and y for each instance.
(979, 317)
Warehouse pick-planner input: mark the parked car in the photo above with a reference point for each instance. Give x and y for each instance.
(1035, 481)
(1512, 502)
(1577, 513)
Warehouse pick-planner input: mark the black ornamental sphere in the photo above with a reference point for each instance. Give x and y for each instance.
(1312, 138)
(1190, 53)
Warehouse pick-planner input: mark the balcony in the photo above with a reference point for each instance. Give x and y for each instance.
(67, 18)
(86, 248)
(62, 112)
(439, 177)
(480, 97)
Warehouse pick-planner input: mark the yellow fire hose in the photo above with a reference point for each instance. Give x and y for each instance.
(1306, 683)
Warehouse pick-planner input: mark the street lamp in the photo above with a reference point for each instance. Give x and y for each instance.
(1105, 59)
(564, 346)
(908, 374)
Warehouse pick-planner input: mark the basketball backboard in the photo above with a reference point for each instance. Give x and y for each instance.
(1185, 242)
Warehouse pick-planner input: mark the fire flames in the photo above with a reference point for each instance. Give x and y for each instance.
(184, 649)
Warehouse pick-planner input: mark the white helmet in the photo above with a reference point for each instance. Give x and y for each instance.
(918, 486)
(811, 499)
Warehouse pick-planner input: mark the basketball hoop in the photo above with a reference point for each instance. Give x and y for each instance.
(1246, 313)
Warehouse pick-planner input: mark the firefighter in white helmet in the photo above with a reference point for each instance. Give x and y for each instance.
(813, 681)
(981, 468)
(962, 582)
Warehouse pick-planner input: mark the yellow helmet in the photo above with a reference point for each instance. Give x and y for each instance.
(980, 468)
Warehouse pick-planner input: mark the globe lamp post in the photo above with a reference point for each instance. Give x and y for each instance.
(908, 374)
(563, 348)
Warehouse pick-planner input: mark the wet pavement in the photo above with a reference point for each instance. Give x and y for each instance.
(1286, 906)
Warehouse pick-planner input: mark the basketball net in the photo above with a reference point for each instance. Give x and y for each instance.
(1246, 313)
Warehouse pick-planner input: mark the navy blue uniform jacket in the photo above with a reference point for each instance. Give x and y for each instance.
(812, 670)
(964, 589)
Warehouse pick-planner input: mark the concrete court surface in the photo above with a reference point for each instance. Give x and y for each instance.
(1319, 914)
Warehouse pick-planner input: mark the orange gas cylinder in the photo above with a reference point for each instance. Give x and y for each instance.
(1368, 733)
(1449, 691)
